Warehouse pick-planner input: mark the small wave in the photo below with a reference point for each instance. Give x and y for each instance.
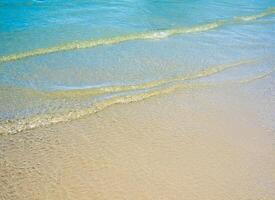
(13, 127)
(132, 37)
(269, 11)
(158, 35)
(139, 92)
(258, 77)
(78, 93)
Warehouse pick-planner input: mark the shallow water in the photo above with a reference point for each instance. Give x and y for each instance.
(64, 60)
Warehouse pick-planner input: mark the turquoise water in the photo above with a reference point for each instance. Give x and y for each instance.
(63, 60)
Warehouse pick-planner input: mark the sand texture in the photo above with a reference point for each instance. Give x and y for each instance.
(209, 144)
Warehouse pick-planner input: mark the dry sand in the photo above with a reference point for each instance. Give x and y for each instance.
(211, 143)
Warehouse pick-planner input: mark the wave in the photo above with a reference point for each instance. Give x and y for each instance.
(267, 12)
(138, 93)
(139, 36)
(258, 77)
(97, 91)
(148, 85)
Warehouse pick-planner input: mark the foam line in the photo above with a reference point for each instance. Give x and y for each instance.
(138, 36)
(15, 126)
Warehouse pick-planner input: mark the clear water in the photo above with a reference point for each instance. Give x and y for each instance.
(61, 60)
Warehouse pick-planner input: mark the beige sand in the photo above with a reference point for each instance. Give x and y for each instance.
(213, 143)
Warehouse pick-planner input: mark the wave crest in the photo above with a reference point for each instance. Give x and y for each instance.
(139, 36)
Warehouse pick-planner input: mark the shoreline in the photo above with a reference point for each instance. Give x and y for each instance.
(115, 95)
(207, 143)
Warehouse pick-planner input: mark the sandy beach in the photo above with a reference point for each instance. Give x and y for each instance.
(204, 143)
(137, 100)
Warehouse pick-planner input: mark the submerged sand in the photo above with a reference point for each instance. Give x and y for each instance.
(210, 143)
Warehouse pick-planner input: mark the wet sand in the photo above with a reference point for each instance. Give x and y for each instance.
(208, 143)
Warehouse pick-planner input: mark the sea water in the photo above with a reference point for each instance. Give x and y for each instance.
(62, 60)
